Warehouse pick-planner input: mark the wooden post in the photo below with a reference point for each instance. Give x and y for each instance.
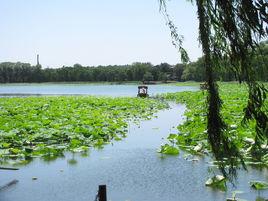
(102, 193)
(7, 168)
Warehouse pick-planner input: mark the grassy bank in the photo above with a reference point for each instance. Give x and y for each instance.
(192, 135)
(48, 126)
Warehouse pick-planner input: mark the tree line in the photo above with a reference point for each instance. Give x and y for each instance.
(194, 71)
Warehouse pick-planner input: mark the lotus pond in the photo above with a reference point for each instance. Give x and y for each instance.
(131, 168)
(48, 126)
(126, 136)
(192, 134)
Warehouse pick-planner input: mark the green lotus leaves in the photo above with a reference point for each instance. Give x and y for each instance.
(168, 149)
(49, 126)
(218, 182)
(192, 134)
(259, 185)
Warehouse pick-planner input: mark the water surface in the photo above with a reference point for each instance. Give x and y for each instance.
(132, 170)
(85, 89)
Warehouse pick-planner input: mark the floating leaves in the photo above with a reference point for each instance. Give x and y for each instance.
(259, 185)
(168, 149)
(192, 134)
(218, 182)
(48, 126)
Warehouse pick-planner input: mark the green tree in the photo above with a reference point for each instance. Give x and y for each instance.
(194, 71)
(148, 76)
(229, 30)
(178, 72)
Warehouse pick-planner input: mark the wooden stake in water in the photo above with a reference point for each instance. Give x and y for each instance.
(102, 193)
(8, 168)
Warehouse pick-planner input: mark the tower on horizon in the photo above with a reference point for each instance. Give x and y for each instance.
(38, 60)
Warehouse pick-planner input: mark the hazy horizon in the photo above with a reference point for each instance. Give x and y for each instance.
(92, 33)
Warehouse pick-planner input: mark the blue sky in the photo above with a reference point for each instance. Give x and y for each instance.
(93, 32)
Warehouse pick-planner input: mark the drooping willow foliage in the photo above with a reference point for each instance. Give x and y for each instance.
(230, 30)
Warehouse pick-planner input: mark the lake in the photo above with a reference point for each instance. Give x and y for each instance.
(132, 170)
(85, 89)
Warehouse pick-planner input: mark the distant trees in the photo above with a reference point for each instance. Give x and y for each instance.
(18, 72)
(24, 72)
(260, 62)
(194, 71)
(148, 76)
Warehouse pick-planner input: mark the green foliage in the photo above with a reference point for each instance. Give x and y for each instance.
(194, 71)
(192, 136)
(148, 76)
(170, 150)
(47, 126)
(229, 32)
(259, 185)
(177, 39)
(218, 182)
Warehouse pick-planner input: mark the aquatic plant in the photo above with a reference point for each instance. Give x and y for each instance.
(229, 32)
(259, 185)
(48, 126)
(192, 136)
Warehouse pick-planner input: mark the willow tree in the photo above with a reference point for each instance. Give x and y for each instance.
(230, 30)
